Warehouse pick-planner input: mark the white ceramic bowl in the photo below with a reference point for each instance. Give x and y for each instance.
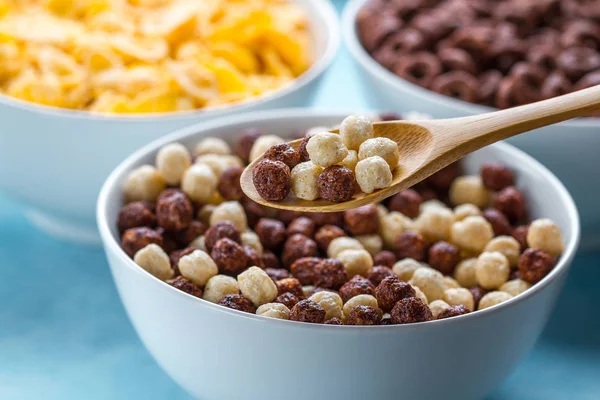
(568, 149)
(218, 353)
(54, 161)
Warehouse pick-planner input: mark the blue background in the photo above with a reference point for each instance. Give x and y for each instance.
(65, 335)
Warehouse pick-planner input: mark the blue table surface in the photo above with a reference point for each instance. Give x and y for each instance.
(65, 335)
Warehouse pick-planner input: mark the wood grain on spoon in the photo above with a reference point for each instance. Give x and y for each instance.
(428, 146)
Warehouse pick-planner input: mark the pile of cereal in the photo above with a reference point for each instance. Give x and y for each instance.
(328, 165)
(411, 259)
(149, 56)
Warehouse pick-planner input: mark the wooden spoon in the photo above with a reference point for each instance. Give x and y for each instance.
(428, 146)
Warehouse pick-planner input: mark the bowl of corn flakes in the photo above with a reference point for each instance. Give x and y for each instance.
(85, 82)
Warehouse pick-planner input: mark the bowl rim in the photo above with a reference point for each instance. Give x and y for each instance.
(360, 55)
(331, 37)
(114, 181)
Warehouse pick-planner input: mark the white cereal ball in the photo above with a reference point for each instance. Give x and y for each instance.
(199, 243)
(506, 245)
(356, 262)
(464, 273)
(373, 173)
(257, 286)
(342, 243)
(304, 180)
(274, 310)
(469, 189)
(382, 147)
(405, 269)
(435, 223)
(493, 298)
(143, 183)
(220, 286)
(437, 307)
(492, 270)
(350, 160)
(382, 211)
(331, 302)
(451, 283)
(205, 212)
(466, 210)
(231, 211)
(154, 260)
(212, 145)
(457, 296)
(472, 233)
(420, 295)
(360, 300)
(198, 267)
(219, 162)
(515, 287)
(262, 144)
(172, 161)
(545, 235)
(372, 243)
(251, 239)
(307, 290)
(355, 129)
(325, 149)
(199, 182)
(432, 204)
(391, 225)
(430, 281)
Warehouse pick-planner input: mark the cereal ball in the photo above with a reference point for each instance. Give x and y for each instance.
(362, 220)
(254, 259)
(309, 290)
(174, 211)
(169, 242)
(545, 235)
(229, 256)
(511, 203)
(391, 226)
(270, 260)
(444, 257)
(408, 202)
(354, 130)
(326, 234)
(430, 281)
(295, 247)
(385, 258)
(229, 183)
(435, 224)
(252, 240)
(274, 310)
(493, 298)
(382, 147)
(355, 286)
(411, 244)
(496, 176)
(456, 296)
(218, 287)
(356, 262)
(337, 245)
(221, 230)
(219, 163)
(143, 183)
(466, 210)
(212, 145)
(205, 212)
(442, 180)
(382, 211)
(392, 290)
(288, 299)
(404, 269)
(433, 204)
(199, 182)
(176, 255)
(194, 230)
(262, 144)
(373, 173)
(231, 211)
(437, 307)
(334, 321)
(304, 269)
(135, 239)
(472, 233)
(464, 273)
(409, 311)
(277, 273)
(237, 302)
(271, 232)
(304, 180)
(360, 300)
(325, 149)
(257, 286)
(336, 183)
(330, 273)
(420, 295)
(302, 225)
(135, 215)
(478, 292)
(379, 273)
(154, 260)
(198, 267)
(364, 315)
(172, 161)
(450, 282)
(283, 152)
(272, 180)
(454, 311)
(331, 302)
(199, 243)
(535, 264)
(515, 287)
(327, 218)
(291, 285)
(492, 270)
(372, 243)
(469, 189)
(499, 222)
(506, 245)
(186, 286)
(351, 160)
(308, 311)
(245, 142)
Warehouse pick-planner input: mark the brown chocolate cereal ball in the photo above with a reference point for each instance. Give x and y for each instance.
(174, 211)
(271, 232)
(237, 302)
(169, 240)
(496, 176)
(386, 321)
(362, 220)
(270, 260)
(511, 202)
(185, 285)
(277, 274)
(289, 285)
(287, 216)
(189, 234)
(364, 315)
(326, 234)
(308, 311)
(410, 310)
(392, 290)
(478, 292)
(411, 244)
(135, 239)
(386, 258)
(221, 230)
(295, 247)
(444, 257)
(442, 180)
(254, 259)
(327, 218)
(330, 274)
(334, 321)
(288, 299)
(534, 265)
(302, 148)
(229, 256)
(135, 215)
(336, 184)
(272, 180)
(176, 255)
(254, 211)
(499, 222)
(283, 152)
(355, 286)
(245, 142)
(453, 311)
(229, 183)
(408, 202)
(520, 233)
(379, 273)
(514, 274)
(303, 269)
(302, 225)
